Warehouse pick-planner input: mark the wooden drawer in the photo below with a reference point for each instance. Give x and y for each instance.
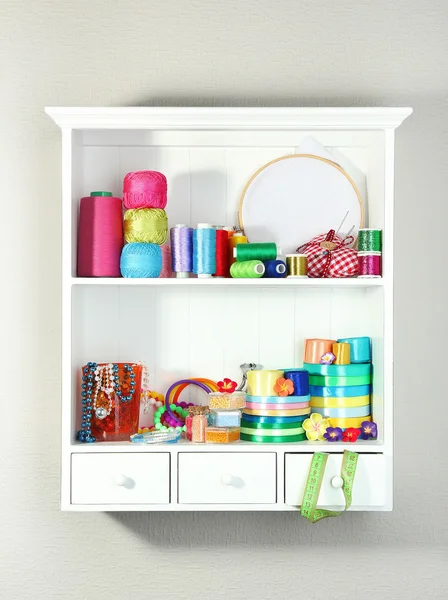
(227, 478)
(369, 488)
(120, 478)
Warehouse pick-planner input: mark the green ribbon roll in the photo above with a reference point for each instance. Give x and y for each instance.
(267, 439)
(339, 370)
(313, 485)
(276, 426)
(328, 381)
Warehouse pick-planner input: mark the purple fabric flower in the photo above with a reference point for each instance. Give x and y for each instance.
(369, 430)
(327, 359)
(333, 434)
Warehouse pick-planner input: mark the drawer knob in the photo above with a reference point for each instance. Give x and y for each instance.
(227, 479)
(337, 482)
(121, 480)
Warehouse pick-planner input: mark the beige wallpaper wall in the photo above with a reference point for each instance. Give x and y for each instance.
(226, 52)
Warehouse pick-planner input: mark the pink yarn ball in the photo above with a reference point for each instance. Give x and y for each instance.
(166, 271)
(145, 189)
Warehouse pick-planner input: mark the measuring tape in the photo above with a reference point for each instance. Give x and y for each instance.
(314, 483)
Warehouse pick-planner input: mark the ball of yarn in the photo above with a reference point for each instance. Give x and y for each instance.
(147, 225)
(166, 271)
(141, 260)
(145, 189)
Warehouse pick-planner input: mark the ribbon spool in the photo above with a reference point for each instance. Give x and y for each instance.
(327, 381)
(349, 422)
(369, 240)
(204, 250)
(145, 189)
(343, 413)
(300, 380)
(278, 399)
(176, 389)
(100, 236)
(359, 349)
(348, 391)
(271, 426)
(267, 439)
(341, 351)
(338, 370)
(273, 420)
(369, 265)
(141, 261)
(327, 402)
(261, 251)
(147, 225)
(247, 270)
(181, 250)
(233, 241)
(261, 383)
(262, 412)
(275, 269)
(297, 265)
(315, 348)
(273, 432)
(274, 406)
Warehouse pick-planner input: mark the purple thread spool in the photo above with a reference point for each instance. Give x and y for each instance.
(369, 264)
(182, 250)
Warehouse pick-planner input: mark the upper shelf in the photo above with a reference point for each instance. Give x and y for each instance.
(217, 282)
(204, 118)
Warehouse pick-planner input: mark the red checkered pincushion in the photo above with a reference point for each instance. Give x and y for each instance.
(329, 256)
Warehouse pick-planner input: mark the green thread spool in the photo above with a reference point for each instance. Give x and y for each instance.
(249, 269)
(263, 252)
(147, 225)
(369, 240)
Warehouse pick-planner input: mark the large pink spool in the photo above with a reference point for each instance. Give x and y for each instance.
(166, 271)
(145, 189)
(100, 236)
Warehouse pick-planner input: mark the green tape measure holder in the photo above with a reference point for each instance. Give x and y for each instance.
(314, 484)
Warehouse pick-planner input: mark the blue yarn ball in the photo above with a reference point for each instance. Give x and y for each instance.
(141, 260)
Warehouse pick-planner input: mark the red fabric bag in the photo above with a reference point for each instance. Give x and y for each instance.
(330, 256)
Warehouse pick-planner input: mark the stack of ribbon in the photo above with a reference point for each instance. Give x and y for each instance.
(340, 379)
(276, 405)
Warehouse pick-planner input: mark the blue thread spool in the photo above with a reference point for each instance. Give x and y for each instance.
(274, 269)
(359, 349)
(141, 260)
(300, 379)
(204, 250)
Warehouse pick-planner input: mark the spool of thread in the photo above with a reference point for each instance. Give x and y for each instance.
(369, 265)
(274, 269)
(100, 236)
(222, 257)
(300, 379)
(146, 225)
(247, 270)
(234, 240)
(297, 265)
(315, 348)
(262, 251)
(359, 348)
(204, 250)
(166, 271)
(369, 240)
(181, 250)
(141, 260)
(261, 383)
(145, 189)
(342, 352)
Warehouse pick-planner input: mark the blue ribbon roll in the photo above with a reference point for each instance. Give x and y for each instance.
(272, 420)
(338, 370)
(300, 379)
(345, 391)
(278, 399)
(343, 413)
(359, 349)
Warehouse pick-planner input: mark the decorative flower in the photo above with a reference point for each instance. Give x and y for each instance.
(284, 387)
(327, 359)
(351, 434)
(369, 430)
(227, 385)
(315, 427)
(333, 434)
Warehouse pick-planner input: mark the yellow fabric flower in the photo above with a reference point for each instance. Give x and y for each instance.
(315, 427)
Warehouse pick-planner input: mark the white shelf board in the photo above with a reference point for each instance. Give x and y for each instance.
(218, 282)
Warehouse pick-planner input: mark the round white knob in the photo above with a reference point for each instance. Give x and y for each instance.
(121, 480)
(337, 482)
(227, 479)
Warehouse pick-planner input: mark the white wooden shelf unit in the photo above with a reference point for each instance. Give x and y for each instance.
(207, 328)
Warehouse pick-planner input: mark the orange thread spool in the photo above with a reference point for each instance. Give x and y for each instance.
(237, 238)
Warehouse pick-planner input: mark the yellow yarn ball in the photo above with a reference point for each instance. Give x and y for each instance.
(147, 225)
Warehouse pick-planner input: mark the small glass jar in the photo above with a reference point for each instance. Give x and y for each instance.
(189, 425)
(198, 428)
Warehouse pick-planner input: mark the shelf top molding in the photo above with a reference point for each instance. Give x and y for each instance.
(228, 119)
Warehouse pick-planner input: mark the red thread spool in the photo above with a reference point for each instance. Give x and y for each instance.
(100, 236)
(145, 189)
(222, 259)
(369, 264)
(166, 271)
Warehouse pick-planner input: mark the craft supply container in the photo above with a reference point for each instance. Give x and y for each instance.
(222, 435)
(198, 427)
(224, 401)
(225, 418)
(122, 422)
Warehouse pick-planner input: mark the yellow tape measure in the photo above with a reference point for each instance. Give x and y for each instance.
(314, 484)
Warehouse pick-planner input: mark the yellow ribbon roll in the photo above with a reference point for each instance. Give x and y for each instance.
(261, 383)
(342, 352)
(297, 412)
(349, 422)
(326, 402)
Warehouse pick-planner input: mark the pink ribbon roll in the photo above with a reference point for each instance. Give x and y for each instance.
(315, 348)
(289, 406)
